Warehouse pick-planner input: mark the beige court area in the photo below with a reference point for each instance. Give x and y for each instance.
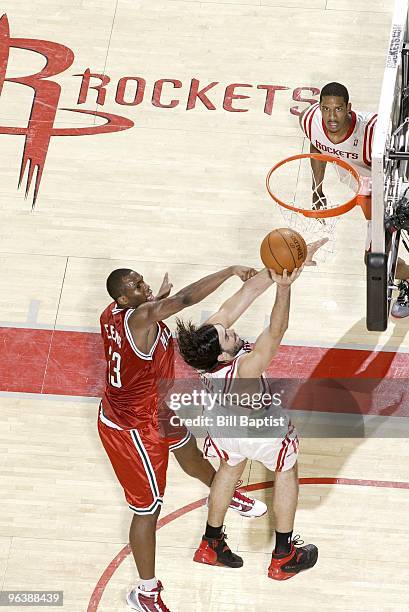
(179, 191)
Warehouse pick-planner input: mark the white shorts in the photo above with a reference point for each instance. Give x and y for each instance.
(277, 455)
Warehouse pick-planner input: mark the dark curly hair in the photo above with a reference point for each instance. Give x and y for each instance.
(199, 346)
(335, 89)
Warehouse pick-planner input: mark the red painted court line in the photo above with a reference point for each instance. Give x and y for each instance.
(172, 516)
(72, 363)
(23, 359)
(356, 482)
(126, 550)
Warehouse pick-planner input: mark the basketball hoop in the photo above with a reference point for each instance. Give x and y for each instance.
(292, 184)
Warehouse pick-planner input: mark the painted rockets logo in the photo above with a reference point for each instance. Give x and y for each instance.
(40, 127)
(131, 91)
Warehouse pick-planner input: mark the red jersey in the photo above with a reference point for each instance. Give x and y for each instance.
(135, 382)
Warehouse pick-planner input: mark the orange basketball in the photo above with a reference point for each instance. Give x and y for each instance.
(282, 249)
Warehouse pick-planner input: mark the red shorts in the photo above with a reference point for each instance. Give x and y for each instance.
(140, 461)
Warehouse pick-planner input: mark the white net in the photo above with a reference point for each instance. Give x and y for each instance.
(324, 185)
(312, 229)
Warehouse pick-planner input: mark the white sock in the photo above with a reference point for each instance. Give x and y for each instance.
(148, 585)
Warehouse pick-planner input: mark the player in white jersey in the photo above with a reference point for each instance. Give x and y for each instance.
(231, 370)
(321, 125)
(333, 128)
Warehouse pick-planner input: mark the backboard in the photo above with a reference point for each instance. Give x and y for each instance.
(390, 155)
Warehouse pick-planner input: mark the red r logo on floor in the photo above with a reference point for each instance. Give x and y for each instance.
(40, 127)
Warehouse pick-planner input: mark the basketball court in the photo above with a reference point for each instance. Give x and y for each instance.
(145, 143)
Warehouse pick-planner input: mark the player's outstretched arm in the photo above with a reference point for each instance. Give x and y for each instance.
(312, 248)
(257, 361)
(153, 311)
(233, 308)
(237, 304)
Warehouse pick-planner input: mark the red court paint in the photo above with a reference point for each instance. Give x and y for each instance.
(23, 358)
(72, 363)
(172, 516)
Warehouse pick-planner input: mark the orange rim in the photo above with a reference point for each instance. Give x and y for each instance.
(320, 213)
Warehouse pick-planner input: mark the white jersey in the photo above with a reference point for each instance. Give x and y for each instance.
(243, 406)
(220, 380)
(355, 148)
(271, 439)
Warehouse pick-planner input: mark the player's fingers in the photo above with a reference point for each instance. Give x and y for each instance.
(319, 243)
(294, 274)
(273, 274)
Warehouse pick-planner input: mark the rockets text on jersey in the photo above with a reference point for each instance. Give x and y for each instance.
(355, 148)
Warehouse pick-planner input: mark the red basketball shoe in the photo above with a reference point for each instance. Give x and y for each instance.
(286, 565)
(214, 551)
(147, 601)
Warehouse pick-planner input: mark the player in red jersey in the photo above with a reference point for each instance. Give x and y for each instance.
(139, 352)
(333, 128)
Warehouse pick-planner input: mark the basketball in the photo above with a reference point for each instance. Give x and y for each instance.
(282, 249)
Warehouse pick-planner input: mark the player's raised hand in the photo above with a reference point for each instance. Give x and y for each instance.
(312, 248)
(165, 288)
(244, 272)
(285, 280)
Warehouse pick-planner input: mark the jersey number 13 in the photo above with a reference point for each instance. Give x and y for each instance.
(114, 368)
